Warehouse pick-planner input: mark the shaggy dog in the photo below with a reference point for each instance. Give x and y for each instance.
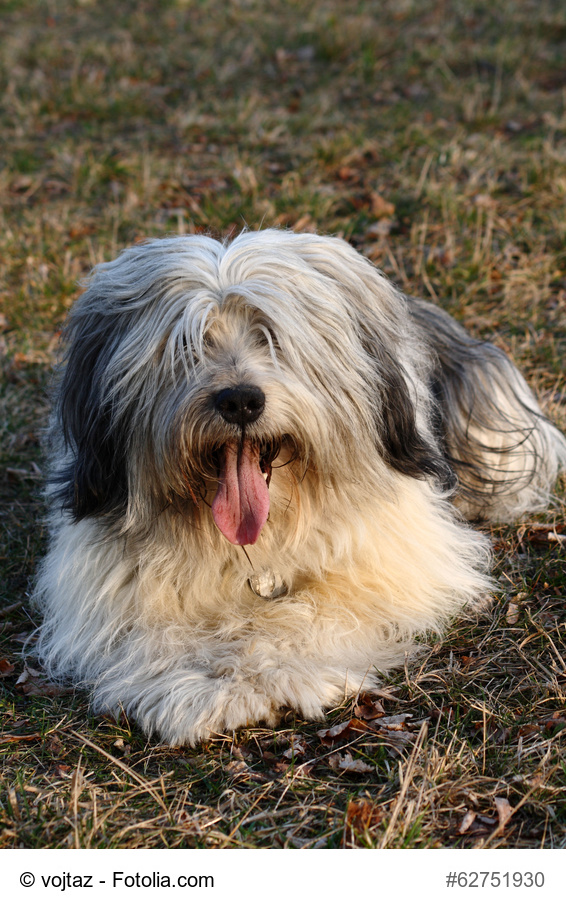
(261, 453)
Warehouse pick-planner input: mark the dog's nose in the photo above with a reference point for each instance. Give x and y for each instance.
(241, 404)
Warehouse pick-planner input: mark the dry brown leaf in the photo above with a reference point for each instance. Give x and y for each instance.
(467, 821)
(6, 668)
(557, 721)
(368, 709)
(44, 688)
(347, 762)
(399, 741)
(298, 747)
(240, 753)
(478, 828)
(395, 722)
(504, 810)
(61, 770)
(30, 682)
(380, 207)
(363, 814)
(347, 730)
(236, 768)
(486, 820)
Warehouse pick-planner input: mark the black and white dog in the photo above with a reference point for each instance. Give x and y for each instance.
(261, 456)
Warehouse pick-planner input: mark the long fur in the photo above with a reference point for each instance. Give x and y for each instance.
(381, 416)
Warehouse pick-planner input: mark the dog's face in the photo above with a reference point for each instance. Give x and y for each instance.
(241, 378)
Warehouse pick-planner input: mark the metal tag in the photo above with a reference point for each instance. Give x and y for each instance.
(267, 584)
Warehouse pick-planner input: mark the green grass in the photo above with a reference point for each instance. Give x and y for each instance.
(432, 137)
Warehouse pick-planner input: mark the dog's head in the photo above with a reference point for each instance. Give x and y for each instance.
(242, 377)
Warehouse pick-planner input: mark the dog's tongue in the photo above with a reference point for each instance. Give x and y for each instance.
(241, 504)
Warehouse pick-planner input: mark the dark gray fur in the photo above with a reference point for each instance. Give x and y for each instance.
(467, 376)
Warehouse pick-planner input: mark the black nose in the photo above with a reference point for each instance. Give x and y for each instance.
(241, 404)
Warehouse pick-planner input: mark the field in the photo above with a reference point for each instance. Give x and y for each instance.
(432, 136)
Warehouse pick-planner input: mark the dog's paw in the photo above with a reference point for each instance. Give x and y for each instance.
(225, 707)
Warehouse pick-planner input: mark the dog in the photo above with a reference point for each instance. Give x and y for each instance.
(264, 462)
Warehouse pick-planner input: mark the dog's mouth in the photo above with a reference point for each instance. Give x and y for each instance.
(241, 505)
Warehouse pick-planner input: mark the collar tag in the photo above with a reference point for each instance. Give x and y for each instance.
(267, 585)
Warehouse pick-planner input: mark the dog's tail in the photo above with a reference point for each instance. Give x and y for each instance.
(506, 453)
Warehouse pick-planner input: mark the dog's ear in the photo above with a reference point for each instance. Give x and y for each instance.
(93, 477)
(395, 354)
(404, 445)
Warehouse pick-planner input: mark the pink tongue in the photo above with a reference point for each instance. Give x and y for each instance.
(241, 504)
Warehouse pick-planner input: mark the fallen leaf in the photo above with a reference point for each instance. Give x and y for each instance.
(346, 730)
(61, 770)
(241, 753)
(346, 762)
(467, 821)
(21, 183)
(486, 820)
(555, 723)
(298, 747)
(504, 810)
(380, 207)
(398, 741)
(26, 674)
(395, 722)
(55, 745)
(479, 827)
(44, 688)
(125, 748)
(368, 709)
(236, 768)
(6, 668)
(30, 682)
(363, 814)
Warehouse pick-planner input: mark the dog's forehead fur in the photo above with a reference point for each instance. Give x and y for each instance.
(321, 282)
(271, 307)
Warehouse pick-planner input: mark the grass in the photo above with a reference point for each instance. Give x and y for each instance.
(432, 137)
